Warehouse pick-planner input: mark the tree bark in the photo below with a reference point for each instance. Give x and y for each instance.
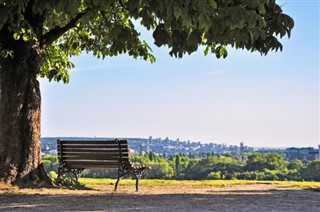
(20, 116)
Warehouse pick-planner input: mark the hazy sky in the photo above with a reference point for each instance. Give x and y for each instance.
(268, 100)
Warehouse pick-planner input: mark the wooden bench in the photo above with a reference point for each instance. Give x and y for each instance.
(75, 156)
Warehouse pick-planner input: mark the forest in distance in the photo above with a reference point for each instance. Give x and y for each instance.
(257, 166)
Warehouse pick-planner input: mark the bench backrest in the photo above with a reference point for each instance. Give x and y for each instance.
(93, 154)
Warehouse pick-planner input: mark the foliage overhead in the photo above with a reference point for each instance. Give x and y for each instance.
(60, 29)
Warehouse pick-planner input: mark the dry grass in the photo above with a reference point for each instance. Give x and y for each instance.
(165, 195)
(91, 185)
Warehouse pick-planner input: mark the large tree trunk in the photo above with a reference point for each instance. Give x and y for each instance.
(20, 114)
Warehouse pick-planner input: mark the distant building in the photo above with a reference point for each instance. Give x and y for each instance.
(148, 147)
(141, 152)
(241, 151)
(308, 153)
(319, 152)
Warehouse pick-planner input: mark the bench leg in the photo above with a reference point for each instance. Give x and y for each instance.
(78, 173)
(60, 172)
(117, 183)
(137, 183)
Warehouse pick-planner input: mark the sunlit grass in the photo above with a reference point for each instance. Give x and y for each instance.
(93, 182)
(102, 185)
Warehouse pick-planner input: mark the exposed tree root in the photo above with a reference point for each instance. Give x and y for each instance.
(35, 179)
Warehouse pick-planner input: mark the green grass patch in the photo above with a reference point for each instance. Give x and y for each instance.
(105, 184)
(91, 182)
(302, 185)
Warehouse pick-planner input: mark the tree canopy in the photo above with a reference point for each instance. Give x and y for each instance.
(60, 29)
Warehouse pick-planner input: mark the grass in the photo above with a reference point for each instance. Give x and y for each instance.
(94, 182)
(152, 183)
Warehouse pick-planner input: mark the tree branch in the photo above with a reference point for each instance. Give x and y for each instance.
(124, 7)
(34, 20)
(55, 33)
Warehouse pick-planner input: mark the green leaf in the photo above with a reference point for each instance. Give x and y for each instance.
(202, 20)
(206, 51)
(160, 35)
(213, 4)
(262, 9)
(6, 53)
(25, 37)
(177, 11)
(186, 22)
(194, 38)
(16, 36)
(252, 21)
(236, 16)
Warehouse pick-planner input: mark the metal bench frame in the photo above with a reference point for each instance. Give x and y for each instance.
(120, 162)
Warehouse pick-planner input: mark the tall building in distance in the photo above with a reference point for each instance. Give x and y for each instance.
(241, 151)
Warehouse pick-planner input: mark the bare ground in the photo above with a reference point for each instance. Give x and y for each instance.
(258, 197)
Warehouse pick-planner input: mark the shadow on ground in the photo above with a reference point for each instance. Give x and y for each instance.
(234, 200)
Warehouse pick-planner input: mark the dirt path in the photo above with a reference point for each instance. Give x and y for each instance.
(259, 197)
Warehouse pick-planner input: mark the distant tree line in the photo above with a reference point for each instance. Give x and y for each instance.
(180, 167)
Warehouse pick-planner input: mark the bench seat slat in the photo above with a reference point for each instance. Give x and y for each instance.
(92, 146)
(65, 153)
(93, 142)
(91, 157)
(85, 164)
(86, 161)
(91, 151)
(85, 154)
(94, 167)
(88, 157)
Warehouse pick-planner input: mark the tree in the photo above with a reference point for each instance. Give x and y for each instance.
(177, 166)
(151, 156)
(275, 162)
(312, 171)
(37, 38)
(295, 165)
(255, 162)
(50, 163)
(198, 169)
(227, 167)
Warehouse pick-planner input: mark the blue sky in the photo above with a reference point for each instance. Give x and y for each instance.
(268, 101)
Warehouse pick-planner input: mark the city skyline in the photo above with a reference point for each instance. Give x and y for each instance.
(268, 100)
